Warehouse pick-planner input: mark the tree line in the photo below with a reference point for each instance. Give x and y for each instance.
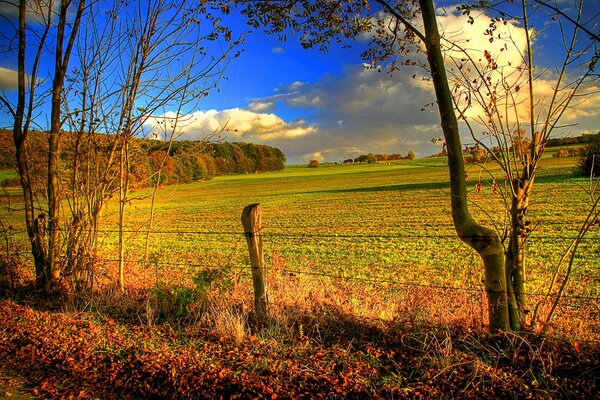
(372, 158)
(184, 161)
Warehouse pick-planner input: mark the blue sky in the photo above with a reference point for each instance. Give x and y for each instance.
(325, 105)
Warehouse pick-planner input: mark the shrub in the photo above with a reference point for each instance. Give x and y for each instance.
(11, 182)
(12, 275)
(563, 153)
(590, 158)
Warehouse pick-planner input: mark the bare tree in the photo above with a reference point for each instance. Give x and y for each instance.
(116, 65)
(63, 23)
(163, 63)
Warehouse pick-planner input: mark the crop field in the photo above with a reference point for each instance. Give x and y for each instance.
(382, 229)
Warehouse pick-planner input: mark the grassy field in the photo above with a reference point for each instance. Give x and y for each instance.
(373, 221)
(370, 293)
(385, 225)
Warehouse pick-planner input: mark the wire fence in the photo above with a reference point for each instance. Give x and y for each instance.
(375, 280)
(581, 304)
(266, 233)
(372, 279)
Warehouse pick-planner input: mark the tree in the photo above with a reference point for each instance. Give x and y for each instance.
(313, 163)
(64, 23)
(590, 158)
(410, 155)
(118, 66)
(401, 32)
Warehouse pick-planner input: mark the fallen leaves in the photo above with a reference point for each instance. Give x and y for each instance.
(77, 356)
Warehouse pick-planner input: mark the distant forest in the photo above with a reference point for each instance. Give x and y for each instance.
(185, 161)
(567, 141)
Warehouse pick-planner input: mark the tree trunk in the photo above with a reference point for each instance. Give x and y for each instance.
(122, 202)
(485, 241)
(53, 188)
(35, 226)
(515, 258)
(60, 68)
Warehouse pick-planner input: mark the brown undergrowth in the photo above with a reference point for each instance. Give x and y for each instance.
(178, 337)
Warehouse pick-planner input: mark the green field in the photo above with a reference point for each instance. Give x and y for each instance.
(378, 222)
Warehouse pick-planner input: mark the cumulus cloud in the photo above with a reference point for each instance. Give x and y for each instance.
(490, 70)
(235, 124)
(8, 79)
(359, 112)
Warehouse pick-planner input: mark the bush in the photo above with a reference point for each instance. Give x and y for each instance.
(590, 159)
(12, 275)
(11, 182)
(563, 153)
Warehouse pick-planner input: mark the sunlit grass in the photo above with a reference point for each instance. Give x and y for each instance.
(380, 222)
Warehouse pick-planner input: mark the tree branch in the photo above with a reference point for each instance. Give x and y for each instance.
(400, 18)
(562, 14)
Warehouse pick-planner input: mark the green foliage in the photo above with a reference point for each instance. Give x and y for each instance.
(171, 302)
(187, 161)
(372, 158)
(568, 141)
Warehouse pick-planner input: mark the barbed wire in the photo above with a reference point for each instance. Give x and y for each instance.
(377, 280)
(265, 233)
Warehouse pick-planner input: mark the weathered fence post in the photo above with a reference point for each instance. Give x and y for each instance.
(252, 222)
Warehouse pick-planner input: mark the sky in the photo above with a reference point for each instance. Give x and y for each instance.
(327, 106)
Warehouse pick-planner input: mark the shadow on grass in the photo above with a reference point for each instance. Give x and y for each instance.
(410, 187)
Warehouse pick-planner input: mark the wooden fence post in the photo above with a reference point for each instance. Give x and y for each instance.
(252, 222)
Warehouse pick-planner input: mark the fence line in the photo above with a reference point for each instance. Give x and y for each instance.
(378, 280)
(320, 235)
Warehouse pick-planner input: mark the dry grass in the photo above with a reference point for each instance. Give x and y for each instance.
(356, 339)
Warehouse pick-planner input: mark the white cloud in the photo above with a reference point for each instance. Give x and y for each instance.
(234, 123)
(364, 111)
(278, 50)
(304, 101)
(360, 112)
(8, 79)
(261, 106)
(496, 75)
